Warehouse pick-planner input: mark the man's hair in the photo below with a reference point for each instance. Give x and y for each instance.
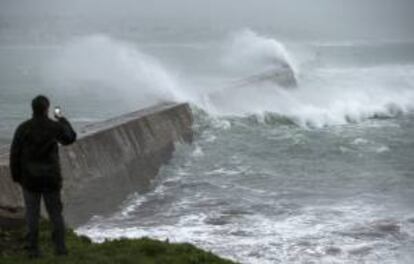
(40, 105)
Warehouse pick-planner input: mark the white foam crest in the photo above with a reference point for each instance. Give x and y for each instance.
(326, 97)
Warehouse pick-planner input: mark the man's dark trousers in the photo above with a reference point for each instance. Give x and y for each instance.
(54, 208)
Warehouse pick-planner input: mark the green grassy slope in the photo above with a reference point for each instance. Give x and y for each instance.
(82, 250)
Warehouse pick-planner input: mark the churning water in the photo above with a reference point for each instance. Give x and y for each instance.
(318, 174)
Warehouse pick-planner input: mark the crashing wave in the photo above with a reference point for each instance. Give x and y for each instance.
(248, 52)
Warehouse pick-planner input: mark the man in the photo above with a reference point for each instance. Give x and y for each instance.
(34, 164)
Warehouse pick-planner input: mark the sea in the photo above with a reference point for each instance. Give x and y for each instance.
(320, 173)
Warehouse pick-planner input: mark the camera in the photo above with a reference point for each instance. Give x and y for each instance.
(57, 111)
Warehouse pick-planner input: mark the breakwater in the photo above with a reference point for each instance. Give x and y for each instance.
(110, 160)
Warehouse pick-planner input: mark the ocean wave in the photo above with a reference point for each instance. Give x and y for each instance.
(324, 96)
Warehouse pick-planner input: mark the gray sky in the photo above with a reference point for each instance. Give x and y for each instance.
(326, 17)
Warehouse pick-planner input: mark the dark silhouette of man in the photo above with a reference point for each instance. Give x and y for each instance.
(34, 164)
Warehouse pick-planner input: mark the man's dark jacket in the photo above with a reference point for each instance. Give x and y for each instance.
(34, 154)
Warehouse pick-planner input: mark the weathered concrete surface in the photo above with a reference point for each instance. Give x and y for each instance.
(11, 218)
(111, 160)
(282, 75)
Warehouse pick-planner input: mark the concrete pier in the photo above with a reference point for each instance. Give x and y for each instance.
(110, 160)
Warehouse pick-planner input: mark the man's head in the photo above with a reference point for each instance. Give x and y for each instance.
(40, 105)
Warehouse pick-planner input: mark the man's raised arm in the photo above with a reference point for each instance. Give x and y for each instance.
(67, 135)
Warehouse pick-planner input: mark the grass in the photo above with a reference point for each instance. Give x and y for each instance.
(123, 251)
